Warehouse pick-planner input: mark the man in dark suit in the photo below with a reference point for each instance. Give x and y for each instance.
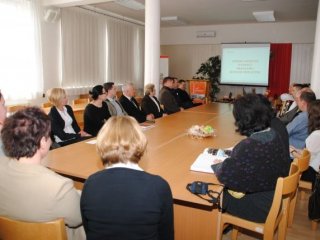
(130, 104)
(184, 98)
(166, 97)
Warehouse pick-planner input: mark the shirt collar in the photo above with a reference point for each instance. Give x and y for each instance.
(128, 164)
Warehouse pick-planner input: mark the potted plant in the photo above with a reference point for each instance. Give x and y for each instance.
(211, 70)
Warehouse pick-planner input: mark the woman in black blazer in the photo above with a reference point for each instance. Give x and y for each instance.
(149, 103)
(122, 201)
(64, 127)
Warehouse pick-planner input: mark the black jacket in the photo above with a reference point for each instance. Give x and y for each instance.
(58, 124)
(148, 106)
(132, 110)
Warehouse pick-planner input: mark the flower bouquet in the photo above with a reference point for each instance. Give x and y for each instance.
(201, 131)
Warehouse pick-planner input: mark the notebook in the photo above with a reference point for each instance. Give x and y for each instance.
(207, 157)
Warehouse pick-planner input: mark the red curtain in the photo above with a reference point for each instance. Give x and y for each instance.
(279, 68)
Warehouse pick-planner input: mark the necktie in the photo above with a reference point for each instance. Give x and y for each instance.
(134, 103)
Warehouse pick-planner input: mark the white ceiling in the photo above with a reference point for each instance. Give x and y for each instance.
(210, 12)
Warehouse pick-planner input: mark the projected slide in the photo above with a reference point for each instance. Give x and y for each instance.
(245, 64)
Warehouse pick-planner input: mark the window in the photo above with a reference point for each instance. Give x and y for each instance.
(20, 48)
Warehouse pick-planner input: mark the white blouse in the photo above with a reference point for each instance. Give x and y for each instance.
(155, 102)
(130, 165)
(67, 123)
(313, 145)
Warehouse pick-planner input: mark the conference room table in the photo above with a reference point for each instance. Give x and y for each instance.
(170, 153)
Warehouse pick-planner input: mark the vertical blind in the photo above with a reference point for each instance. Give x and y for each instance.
(97, 49)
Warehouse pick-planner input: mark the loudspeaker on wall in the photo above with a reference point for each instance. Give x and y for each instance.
(51, 14)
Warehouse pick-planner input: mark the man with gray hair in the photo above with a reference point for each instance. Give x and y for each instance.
(130, 104)
(298, 127)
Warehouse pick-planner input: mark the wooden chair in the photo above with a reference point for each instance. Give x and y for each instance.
(118, 94)
(139, 100)
(277, 217)
(47, 105)
(80, 101)
(307, 186)
(85, 95)
(13, 229)
(303, 163)
(14, 108)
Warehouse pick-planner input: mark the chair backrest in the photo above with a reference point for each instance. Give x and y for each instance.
(14, 108)
(285, 188)
(80, 101)
(118, 94)
(47, 105)
(13, 229)
(85, 95)
(303, 160)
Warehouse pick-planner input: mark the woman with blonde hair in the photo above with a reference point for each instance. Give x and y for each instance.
(64, 126)
(122, 201)
(150, 104)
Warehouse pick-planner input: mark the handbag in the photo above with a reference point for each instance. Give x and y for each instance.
(201, 189)
(314, 200)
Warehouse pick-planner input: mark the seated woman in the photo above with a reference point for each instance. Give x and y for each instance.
(96, 112)
(122, 201)
(312, 142)
(3, 114)
(28, 190)
(149, 103)
(64, 126)
(250, 174)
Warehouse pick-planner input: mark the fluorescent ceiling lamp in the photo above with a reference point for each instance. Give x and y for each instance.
(252, 0)
(266, 16)
(173, 20)
(130, 4)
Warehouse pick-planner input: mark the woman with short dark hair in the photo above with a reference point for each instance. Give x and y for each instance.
(96, 112)
(122, 201)
(250, 174)
(28, 190)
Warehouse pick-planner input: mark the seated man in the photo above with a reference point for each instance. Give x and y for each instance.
(115, 108)
(290, 108)
(298, 127)
(166, 98)
(174, 90)
(184, 98)
(130, 104)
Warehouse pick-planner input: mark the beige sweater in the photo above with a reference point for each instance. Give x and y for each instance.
(32, 192)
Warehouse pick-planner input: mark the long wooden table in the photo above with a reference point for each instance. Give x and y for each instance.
(170, 153)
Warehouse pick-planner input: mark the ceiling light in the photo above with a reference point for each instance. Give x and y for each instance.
(266, 16)
(130, 4)
(173, 20)
(252, 0)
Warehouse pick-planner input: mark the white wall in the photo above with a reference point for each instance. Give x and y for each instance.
(176, 39)
(51, 54)
(289, 32)
(186, 52)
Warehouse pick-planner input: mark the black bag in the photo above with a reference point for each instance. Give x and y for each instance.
(314, 200)
(202, 188)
